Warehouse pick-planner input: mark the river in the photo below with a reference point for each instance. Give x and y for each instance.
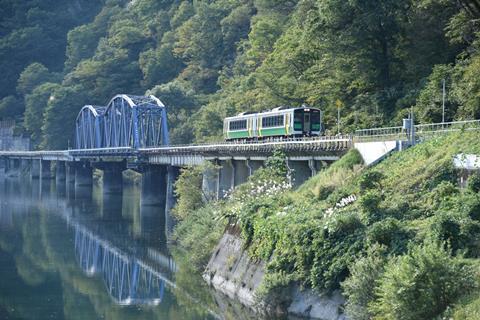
(77, 253)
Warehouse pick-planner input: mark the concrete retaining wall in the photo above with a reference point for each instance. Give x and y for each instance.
(232, 272)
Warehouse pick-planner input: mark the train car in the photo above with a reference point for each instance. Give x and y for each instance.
(279, 122)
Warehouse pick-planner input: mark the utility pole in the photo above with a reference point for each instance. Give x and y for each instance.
(339, 104)
(443, 101)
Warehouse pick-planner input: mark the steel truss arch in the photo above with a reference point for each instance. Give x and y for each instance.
(126, 121)
(89, 127)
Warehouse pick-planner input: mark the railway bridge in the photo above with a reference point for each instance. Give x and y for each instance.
(131, 132)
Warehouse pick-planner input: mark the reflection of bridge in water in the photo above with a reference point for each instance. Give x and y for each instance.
(132, 272)
(129, 280)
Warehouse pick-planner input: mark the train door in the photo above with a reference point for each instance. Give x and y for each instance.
(306, 122)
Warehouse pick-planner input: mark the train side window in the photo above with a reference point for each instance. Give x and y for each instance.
(238, 125)
(273, 121)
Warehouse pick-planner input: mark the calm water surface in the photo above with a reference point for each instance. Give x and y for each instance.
(69, 253)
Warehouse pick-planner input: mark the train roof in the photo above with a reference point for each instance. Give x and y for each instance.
(278, 110)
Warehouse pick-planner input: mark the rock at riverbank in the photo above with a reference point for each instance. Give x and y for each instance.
(232, 272)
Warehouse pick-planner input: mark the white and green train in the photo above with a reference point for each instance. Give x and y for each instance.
(279, 122)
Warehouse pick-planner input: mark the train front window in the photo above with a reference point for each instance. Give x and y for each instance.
(298, 120)
(315, 120)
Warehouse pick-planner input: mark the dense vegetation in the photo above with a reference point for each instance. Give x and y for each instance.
(400, 239)
(208, 59)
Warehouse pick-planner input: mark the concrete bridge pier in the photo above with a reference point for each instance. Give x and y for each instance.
(241, 171)
(35, 169)
(112, 177)
(46, 169)
(3, 164)
(83, 174)
(300, 171)
(25, 167)
(69, 172)
(111, 206)
(226, 178)
(60, 172)
(152, 225)
(170, 200)
(253, 165)
(154, 185)
(210, 183)
(12, 168)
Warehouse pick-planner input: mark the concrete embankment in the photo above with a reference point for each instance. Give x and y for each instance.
(232, 272)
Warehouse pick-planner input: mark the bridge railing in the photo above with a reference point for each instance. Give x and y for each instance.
(294, 144)
(36, 154)
(102, 151)
(386, 133)
(445, 127)
(422, 131)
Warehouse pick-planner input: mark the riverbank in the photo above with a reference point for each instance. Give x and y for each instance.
(355, 230)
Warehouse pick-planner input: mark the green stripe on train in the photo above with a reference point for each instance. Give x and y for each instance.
(273, 132)
(237, 134)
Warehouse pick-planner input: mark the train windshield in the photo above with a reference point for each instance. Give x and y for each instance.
(315, 120)
(298, 120)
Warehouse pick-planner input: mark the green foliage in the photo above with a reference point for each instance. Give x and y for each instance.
(421, 284)
(473, 182)
(228, 57)
(33, 75)
(370, 179)
(318, 241)
(359, 287)
(188, 189)
(370, 204)
(36, 32)
(61, 111)
(35, 104)
(391, 234)
(199, 233)
(277, 164)
(10, 107)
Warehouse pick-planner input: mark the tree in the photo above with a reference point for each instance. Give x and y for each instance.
(33, 75)
(10, 107)
(188, 189)
(60, 114)
(35, 105)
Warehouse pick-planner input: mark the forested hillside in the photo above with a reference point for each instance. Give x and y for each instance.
(207, 59)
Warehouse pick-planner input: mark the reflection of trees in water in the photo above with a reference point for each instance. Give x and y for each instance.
(45, 272)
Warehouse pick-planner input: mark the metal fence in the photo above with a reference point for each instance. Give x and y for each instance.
(422, 131)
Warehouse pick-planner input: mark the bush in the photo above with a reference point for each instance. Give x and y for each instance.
(359, 287)
(442, 194)
(277, 163)
(470, 205)
(391, 233)
(335, 248)
(421, 284)
(458, 230)
(473, 182)
(370, 180)
(199, 233)
(370, 204)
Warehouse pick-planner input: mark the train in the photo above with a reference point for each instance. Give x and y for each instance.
(281, 122)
